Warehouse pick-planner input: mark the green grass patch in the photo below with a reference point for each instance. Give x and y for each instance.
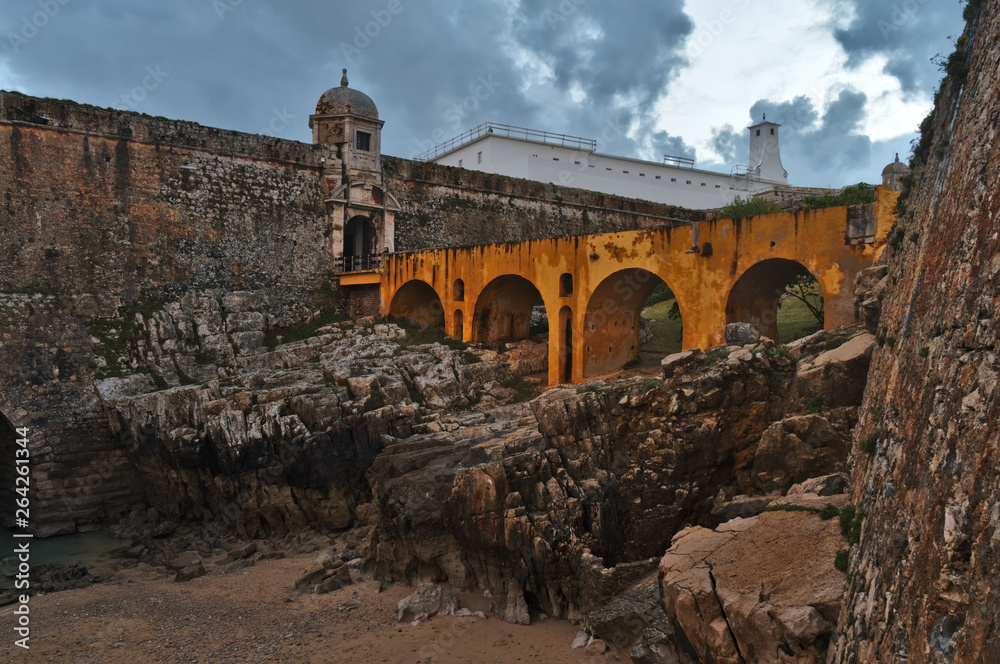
(742, 208)
(428, 334)
(828, 512)
(795, 320)
(648, 384)
(851, 519)
(714, 355)
(593, 388)
(857, 194)
(665, 325)
(417, 397)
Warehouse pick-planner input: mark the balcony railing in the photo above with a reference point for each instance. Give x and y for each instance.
(552, 138)
(364, 263)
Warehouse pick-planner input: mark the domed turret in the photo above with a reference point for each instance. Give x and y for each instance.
(347, 121)
(893, 174)
(346, 101)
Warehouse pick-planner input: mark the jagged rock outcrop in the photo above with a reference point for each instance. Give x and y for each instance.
(762, 589)
(286, 442)
(926, 573)
(563, 508)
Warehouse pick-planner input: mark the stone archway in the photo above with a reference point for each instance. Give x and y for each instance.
(755, 296)
(360, 237)
(611, 323)
(417, 301)
(503, 310)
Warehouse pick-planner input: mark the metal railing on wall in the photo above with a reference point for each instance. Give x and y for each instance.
(364, 263)
(511, 131)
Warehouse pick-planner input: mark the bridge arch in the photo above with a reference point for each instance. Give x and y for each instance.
(503, 309)
(755, 295)
(611, 323)
(417, 300)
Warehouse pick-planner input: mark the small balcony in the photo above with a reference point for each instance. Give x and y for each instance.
(364, 263)
(361, 270)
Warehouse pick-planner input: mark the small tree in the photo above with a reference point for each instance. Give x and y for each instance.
(806, 289)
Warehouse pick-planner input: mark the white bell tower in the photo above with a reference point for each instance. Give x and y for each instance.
(765, 156)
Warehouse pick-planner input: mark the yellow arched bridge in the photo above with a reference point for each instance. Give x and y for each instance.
(594, 286)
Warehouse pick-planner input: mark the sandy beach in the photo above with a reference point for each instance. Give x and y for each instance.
(142, 615)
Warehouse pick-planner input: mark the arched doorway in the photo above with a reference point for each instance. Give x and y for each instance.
(360, 237)
(612, 322)
(503, 310)
(780, 297)
(419, 302)
(459, 325)
(8, 472)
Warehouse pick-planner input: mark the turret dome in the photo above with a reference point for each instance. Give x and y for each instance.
(346, 101)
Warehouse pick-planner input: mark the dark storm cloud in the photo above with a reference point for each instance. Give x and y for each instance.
(727, 144)
(907, 32)
(433, 68)
(820, 149)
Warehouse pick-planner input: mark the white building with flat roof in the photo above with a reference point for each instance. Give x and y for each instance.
(573, 161)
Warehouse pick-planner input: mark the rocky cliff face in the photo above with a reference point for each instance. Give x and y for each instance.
(562, 509)
(926, 574)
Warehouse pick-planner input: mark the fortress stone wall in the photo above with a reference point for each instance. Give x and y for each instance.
(107, 215)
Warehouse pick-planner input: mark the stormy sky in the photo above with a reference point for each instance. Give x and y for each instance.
(849, 80)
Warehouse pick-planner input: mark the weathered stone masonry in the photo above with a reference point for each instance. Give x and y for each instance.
(106, 214)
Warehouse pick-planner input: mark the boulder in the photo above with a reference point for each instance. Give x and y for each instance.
(190, 573)
(429, 600)
(678, 362)
(796, 449)
(836, 377)
(242, 551)
(742, 334)
(186, 559)
(827, 485)
(755, 587)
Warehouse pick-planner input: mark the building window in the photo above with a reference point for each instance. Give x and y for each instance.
(625, 172)
(642, 175)
(718, 186)
(673, 179)
(555, 158)
(479, 157)
(758, 132)
(657, 177)
(607, 169)
(703, 184)
(772, 131)
(688, 182)
(363, 141)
